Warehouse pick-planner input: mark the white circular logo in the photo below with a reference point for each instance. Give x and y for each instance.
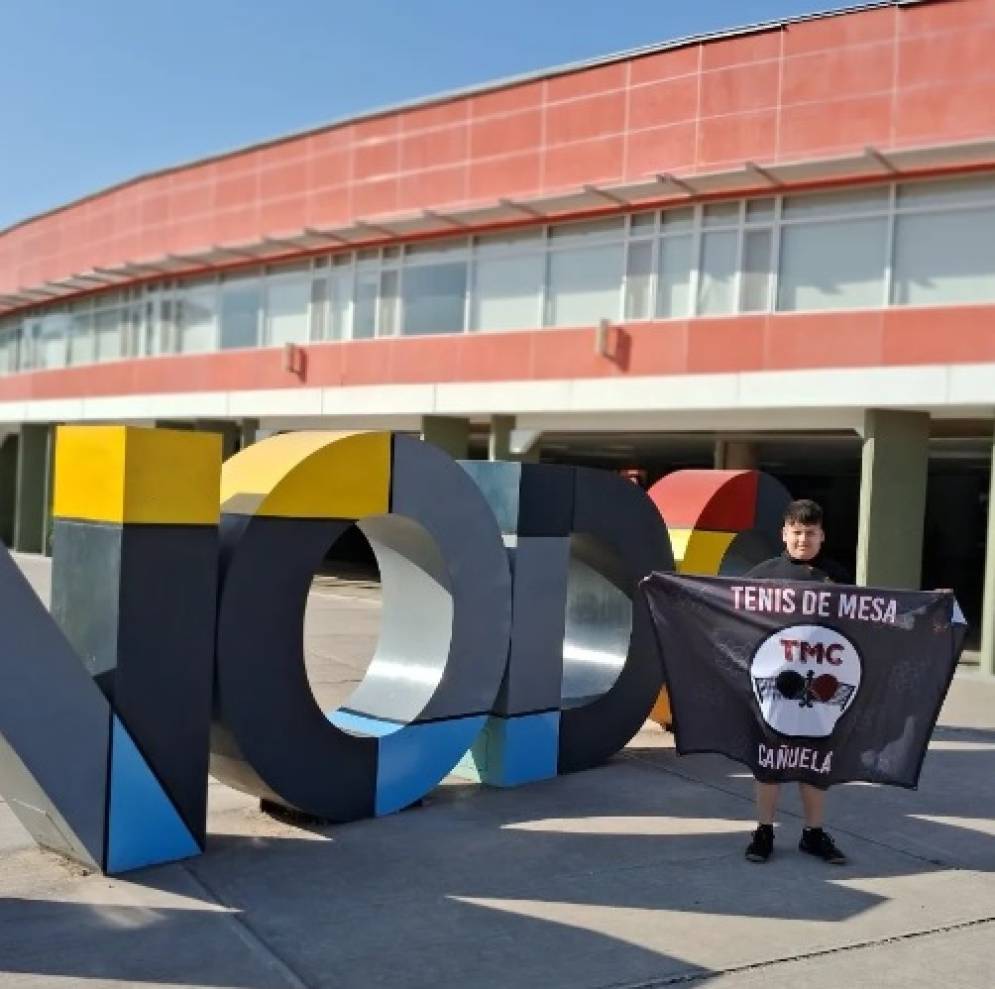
(804, 677)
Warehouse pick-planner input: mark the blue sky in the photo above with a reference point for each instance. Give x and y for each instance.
(99, 91)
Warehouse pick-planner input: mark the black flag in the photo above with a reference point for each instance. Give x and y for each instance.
(821, 683)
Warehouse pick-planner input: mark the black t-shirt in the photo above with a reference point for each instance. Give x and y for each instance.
(820, 568)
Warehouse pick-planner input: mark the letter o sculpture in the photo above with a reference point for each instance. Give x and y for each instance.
(445, 623)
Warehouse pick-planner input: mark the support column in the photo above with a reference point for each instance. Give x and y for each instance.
(987, 654)
(248, 429)
(449, 434)
(893, 474)
(734, 455)
(508, 443)
(33, 496)
(8, 488)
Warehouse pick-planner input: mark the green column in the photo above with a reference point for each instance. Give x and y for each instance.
(987, 657)
(8, 488)
(33, 495)
(447, 433)
(894, 464)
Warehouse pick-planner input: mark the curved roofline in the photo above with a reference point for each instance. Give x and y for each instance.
(448, 96)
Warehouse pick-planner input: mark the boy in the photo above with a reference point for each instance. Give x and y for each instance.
(802, 559)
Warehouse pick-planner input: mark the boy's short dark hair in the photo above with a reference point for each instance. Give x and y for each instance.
(804, 511)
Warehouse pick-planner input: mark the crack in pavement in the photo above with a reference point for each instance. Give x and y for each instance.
(245, 932)
(687, 978)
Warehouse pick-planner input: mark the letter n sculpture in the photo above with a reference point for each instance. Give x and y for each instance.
(103, 753)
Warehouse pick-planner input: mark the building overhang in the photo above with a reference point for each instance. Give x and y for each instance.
(751, 178)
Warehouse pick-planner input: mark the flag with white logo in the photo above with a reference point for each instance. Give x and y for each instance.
(821, 683)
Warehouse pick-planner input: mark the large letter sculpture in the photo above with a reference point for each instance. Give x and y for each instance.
(721, 522)
(511, 635)
(444, 627)
(581, 675)
(113, 773)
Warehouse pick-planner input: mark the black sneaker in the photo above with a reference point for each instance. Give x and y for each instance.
(761, 846)
(816, 842)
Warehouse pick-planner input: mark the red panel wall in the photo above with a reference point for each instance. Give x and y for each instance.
(741, 343)
(891, 76)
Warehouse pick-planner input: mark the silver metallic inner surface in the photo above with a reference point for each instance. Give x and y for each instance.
(598, 621)
(416, 622)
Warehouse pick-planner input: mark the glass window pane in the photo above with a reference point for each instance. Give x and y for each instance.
(81, 350)
(721, 214)
(388, 303)
(287, 309)
(241, 303)
(6, 339)
(944, 257)
(51, 340)
(434, 298)
(755, 279)
(506, 292)
(830, 204)
(964, 191)
(638, 282)
(364, 320)
(433, 250)
(340, 295)
(584, 285)
(107, 326)
(759, 210)
(678, 219)
(196, 318)
(717, 278)
(642, 224)
(673, 281)
(509, 240)
(832, 265)
(8, 347)
(319, 308)
(160, 327)
(588, 230)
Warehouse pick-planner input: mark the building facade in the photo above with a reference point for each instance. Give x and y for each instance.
(770, 247)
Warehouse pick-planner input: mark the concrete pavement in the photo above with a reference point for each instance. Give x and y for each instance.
(628, 875)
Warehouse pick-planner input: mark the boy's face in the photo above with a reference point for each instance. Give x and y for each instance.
(802, 540)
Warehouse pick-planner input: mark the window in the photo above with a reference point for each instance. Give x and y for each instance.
(339, 301)
(837, 265)
(364, 320)
(755, 279)
(288, 293)
(585, 272)
(389, 302)
(673, 292)
(108, 326)
(434, 289)
(196, 317)
(51, 340)
(638, 280)
(944, 257)
(944, 250)
(507, 281)
(241, 304)
(717, 275)
(81, 347)
(9, 330)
